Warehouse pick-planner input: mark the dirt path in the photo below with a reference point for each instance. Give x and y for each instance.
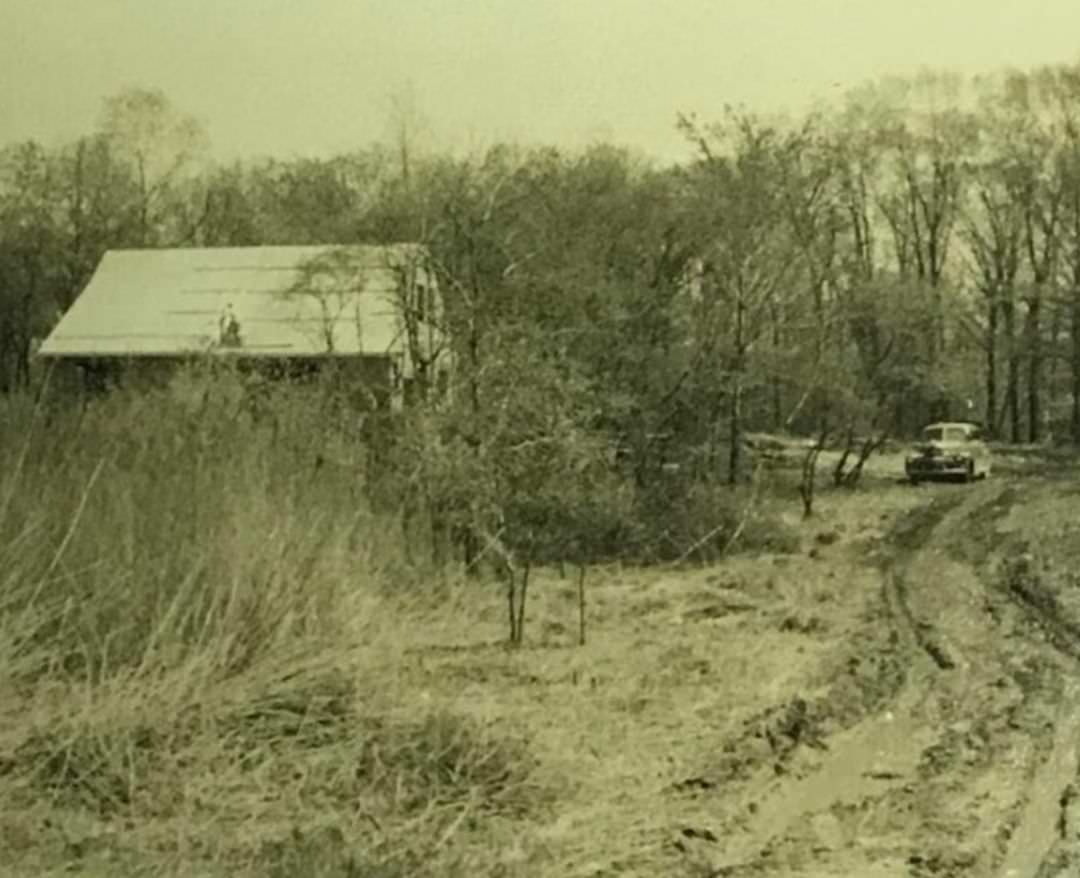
(863, 762)
(900, 698)
(966, 766)
(1041, 826)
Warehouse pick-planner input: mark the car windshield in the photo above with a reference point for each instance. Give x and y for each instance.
(945, 434)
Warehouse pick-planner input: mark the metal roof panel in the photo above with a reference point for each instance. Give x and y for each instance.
(309, 300)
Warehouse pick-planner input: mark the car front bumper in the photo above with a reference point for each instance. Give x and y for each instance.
(937, 467)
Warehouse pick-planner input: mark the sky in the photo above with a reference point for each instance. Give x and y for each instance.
(317, 77)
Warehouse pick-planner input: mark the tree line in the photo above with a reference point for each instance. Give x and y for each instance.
(912, 252)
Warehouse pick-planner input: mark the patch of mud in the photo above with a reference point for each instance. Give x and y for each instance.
(941, 745)
(850, 741)
(769, 743)
(1044, 843)
(719, 608)
(907, 538)
(922, 632)
(1020, 579)
(933, 736)
(912, 530)
(860, 766)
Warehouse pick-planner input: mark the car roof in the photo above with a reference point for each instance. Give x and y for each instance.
(938, 424)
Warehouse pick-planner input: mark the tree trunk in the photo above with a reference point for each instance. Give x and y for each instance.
(470, 538)
(735, 409)
(777, 405)
(936, 334)
(469, 550)
(776, 388)
(144, 205)
(1075, 333)
(511, 601)
(522, 595)
(5, 344)
(1035, 362)
(581, 605)
(22, 362)
(474, 367)
(849, 446)
(1012, 389)
(735, 431)
(870, 445)
(808, 482)
(991, 367)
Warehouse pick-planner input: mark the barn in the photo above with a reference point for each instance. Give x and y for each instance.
(373, 313)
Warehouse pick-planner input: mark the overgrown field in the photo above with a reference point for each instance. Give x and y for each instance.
(200, 638)
(219, 657)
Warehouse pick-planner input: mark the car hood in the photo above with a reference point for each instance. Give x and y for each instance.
(934, 447)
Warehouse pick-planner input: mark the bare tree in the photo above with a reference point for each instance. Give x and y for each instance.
(30, 240)
(420, 308)
(925, 145)
(748, 254)
(992, 229)
(332, 280)
(1039, 193)
(159, 145)
(1068, 94)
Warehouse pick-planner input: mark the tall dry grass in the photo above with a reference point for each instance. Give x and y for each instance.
(200, 620)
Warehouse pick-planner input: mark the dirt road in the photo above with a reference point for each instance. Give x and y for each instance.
(949, 746)
(899, 698)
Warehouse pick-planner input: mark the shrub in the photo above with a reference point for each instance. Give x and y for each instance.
(683, 519)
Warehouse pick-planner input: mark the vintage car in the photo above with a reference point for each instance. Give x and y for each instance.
(949, 451)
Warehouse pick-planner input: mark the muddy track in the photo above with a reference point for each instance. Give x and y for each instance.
(914, 530)
(1016, 576)
(943, 745)
(1017, 579)
(1020, 582)
(1041, 840)
(1046, 841)
(986, 778)
(908, 537)
(870, 708)
(922, 632)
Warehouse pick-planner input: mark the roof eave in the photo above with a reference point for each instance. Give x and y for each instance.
(190, 355)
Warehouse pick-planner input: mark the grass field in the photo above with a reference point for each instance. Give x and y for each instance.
(216, 660)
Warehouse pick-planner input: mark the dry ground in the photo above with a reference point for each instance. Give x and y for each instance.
(899, 697)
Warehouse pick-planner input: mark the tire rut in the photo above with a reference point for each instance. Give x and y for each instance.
(876, 766)
(1022, 586)
(922, 633)
(1039, 845)
(1031, 843)
(909, 536)
(870, 750)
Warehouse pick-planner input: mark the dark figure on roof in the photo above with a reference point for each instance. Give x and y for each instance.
(229, 328)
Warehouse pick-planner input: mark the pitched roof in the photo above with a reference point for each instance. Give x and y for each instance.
(288, 301)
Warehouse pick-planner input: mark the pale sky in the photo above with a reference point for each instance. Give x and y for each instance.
(314, 77)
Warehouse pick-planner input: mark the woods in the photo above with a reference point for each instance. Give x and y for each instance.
(619, 328)
(920, 231)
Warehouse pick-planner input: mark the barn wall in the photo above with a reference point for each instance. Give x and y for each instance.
(364, 382)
